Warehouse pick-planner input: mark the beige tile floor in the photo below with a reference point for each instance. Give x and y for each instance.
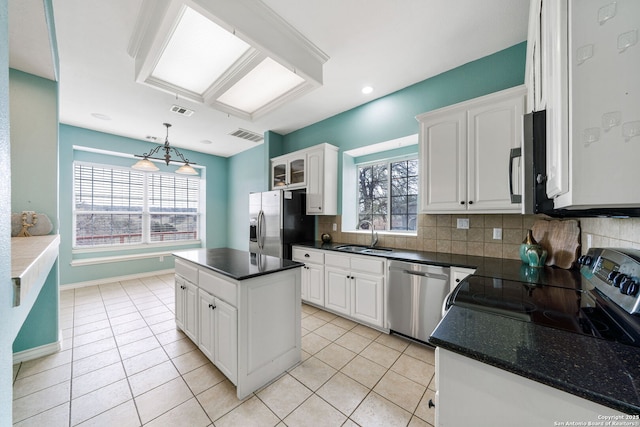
(124, 363)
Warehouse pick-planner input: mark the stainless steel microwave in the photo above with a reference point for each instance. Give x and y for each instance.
(534, 164)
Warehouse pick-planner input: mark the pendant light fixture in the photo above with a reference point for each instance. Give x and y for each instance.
(147, 165)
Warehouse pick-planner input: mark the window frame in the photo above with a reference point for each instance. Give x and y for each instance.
(388, 161)
(146, 213)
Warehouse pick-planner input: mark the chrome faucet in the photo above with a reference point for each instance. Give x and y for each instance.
(374, 235)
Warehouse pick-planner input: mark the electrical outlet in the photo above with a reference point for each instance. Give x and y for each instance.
(463, 223)
(497, 234)
(335, 226)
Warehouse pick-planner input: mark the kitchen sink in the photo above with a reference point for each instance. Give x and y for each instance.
(377, 251)
(363, 249)
(351, 248)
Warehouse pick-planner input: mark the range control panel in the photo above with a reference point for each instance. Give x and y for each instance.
(616, 273)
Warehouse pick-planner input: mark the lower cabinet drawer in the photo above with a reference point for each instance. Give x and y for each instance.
(218, 287)
(369, 265)
(304, 255)
(336, 260)
(187, 270)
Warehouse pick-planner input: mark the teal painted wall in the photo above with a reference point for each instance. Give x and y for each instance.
(247, 171)
(386, 118)
(34, 186)
(393, 116)
(216, 176)
(6, 335)
(40, 327)
(34, 144)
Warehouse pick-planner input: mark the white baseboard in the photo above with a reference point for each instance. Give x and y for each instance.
(34, 353)
(116, 279)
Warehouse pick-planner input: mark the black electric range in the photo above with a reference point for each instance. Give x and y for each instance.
(603, 302)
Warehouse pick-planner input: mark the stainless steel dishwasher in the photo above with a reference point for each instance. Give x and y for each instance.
(415, 296)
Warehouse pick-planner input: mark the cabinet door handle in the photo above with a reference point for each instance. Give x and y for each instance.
(470, 202)
(212, 307)
(462, 202)
(514, 154)
(431, 404)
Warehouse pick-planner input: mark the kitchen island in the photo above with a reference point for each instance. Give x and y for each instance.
(242, 310)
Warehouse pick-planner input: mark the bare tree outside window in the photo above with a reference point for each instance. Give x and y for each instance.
(388, 195)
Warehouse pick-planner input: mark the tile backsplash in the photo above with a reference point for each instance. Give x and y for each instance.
(439, 233)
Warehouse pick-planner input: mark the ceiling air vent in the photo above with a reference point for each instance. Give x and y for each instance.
(181, 110)
(247, 134)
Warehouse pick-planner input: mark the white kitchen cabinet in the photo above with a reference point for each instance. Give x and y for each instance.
(225, 339)
(367, 298)
(218, 333)
(546, 78)
(573, 45)
(288, 171)
(464, 154)
(443, 165)
(312, 282)
(457, 275)
(338, 290)
(206, 320)
(496, 398)
(354, 286)
(315, 169)
(322, 180)
(186, 300)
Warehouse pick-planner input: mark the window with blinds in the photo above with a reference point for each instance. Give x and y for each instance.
(116, 206)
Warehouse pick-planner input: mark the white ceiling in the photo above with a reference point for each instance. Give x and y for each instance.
(388, 44)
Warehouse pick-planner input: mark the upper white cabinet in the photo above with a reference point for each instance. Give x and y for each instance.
(582, 63)
(288, 171)
(322, 180)
(546, 78)
(465, 154)
(314, 168)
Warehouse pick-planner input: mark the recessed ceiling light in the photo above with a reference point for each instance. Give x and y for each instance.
(367, 90)
(206, 141)
(101, 116)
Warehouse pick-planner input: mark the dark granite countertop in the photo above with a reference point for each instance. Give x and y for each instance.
(238, 265)
(507, 269)
(602, 371)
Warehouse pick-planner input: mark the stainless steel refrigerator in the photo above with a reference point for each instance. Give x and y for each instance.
(277, 219)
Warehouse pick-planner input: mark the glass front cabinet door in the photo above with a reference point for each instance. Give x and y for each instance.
(288, 172)
(296, 172)
(279, 173)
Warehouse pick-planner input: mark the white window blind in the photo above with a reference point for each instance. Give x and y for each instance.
(114, 206)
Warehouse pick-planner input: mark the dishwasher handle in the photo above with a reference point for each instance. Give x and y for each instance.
(428, 275)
